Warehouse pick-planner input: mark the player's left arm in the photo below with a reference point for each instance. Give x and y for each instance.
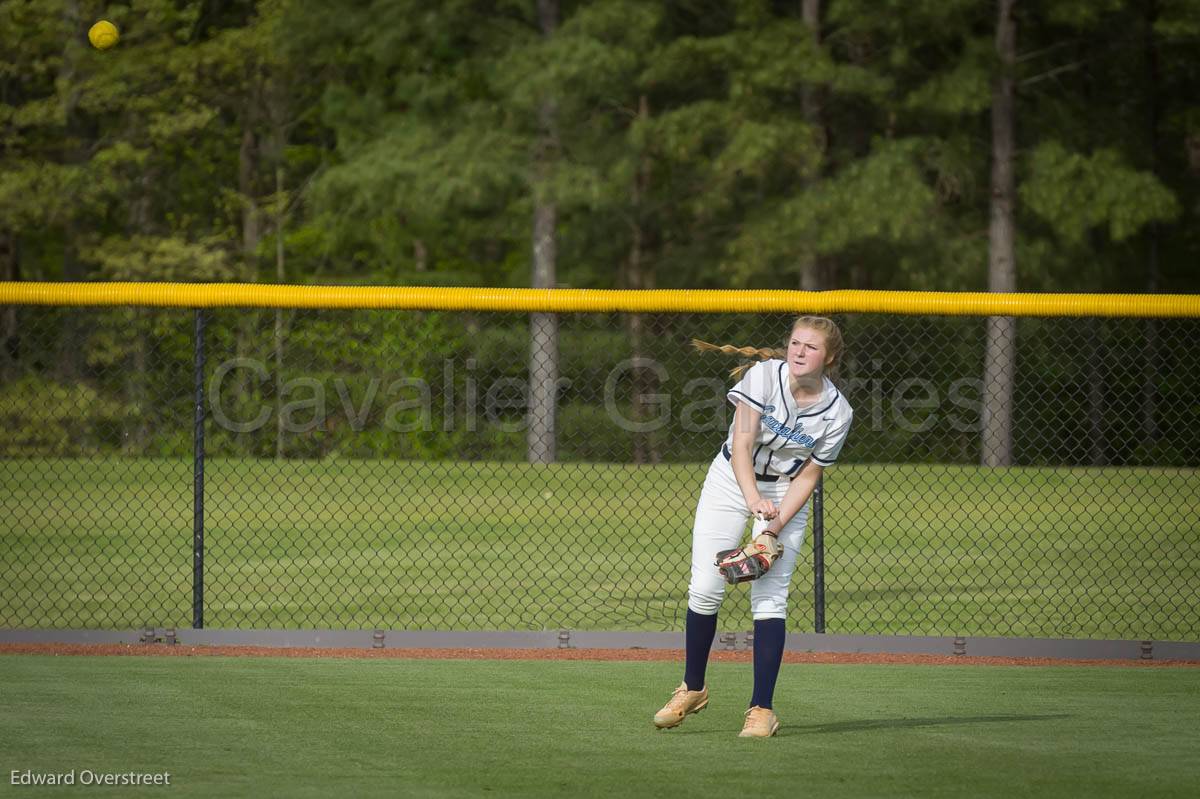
(755, 559)
(797, 494)
(804, 483)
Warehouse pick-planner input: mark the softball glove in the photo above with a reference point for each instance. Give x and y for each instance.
(751, 561)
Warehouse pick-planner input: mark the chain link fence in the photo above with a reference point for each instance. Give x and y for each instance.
(382, 469)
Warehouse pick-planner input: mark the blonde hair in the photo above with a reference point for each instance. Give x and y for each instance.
(834, 344)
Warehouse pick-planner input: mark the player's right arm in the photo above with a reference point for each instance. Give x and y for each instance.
(745, 431)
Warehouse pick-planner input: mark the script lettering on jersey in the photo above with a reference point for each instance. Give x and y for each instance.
(777, 427)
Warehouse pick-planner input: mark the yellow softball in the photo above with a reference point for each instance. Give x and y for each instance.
(103, 35)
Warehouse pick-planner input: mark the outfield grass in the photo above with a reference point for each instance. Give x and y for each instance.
(929, 550)
(304, 727)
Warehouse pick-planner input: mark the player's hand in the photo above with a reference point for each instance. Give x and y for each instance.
(764, 509)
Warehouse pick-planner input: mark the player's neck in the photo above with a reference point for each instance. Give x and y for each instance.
(808, 389)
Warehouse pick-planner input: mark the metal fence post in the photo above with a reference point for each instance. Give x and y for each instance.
(818, 500)
(198, 479)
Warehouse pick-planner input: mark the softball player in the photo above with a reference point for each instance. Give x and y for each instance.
(789, 424)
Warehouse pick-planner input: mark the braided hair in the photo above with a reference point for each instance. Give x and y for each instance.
(834, 343)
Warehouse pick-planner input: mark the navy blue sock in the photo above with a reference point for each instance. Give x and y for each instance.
(768, 655)
(700, 631)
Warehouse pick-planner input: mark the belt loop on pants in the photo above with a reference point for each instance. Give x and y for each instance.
(762, 478)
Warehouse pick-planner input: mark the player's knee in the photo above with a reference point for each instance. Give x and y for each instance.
(768, 607)
(706, 601)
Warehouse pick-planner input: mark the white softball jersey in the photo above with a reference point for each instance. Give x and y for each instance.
(788, 436)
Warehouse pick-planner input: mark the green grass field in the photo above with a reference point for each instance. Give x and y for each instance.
(929, 550)
(308, 727)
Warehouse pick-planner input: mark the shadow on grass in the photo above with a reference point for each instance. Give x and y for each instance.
(887, 724)
(884, 724)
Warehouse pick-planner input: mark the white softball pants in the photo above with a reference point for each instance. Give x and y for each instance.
(721, 517)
